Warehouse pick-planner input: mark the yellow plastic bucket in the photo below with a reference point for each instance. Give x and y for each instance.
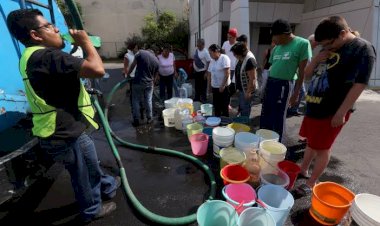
(239, 127)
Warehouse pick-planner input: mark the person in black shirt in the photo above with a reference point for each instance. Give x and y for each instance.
(246, 80)
(340, 72)
(61, 108)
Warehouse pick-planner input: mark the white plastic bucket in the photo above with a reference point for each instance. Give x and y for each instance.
(179, 115)
(222, 137)
(246, 141)
(365, 209)
(168, 115)
(256, 216)
(266, 134)
(171, 103)
(278, 202)
(206, 109)
(271, 152)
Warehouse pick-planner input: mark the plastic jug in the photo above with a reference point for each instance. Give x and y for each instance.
(199, 118)
(253, 167)
(179, 115)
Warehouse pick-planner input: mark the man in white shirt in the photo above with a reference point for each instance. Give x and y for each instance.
(231, 40)
(201, 62)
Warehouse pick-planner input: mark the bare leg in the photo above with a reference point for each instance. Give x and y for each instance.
(321, 160)
(308, 157)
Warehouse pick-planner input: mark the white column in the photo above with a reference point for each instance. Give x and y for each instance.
(240, 17)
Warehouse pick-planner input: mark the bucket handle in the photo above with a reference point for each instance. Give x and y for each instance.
(234, 202)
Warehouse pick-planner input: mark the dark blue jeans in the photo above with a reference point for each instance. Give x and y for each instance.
(166, 84)
(275, 105)
(142, 93)
(88, 180)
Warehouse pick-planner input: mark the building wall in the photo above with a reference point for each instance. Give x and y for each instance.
(115, 20)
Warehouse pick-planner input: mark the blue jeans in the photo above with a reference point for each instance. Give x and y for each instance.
(296, 107)
(275, 104)
(244, 105)
(166, 84)
(142, 93)
(88, 180)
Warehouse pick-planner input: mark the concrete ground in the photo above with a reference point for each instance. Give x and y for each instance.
(174, 187)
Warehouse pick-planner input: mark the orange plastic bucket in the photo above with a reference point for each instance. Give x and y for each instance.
(330, 202)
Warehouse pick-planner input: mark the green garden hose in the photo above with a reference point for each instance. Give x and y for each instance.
(110, 135)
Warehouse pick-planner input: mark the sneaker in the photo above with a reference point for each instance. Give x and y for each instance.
(105, 210)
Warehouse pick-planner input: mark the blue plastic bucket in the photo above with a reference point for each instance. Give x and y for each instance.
(256, 216)
(278, 201)
(217, 213)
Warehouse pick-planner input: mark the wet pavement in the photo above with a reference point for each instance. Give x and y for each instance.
(173, 187)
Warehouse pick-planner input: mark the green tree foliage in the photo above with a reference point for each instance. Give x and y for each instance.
(66, 13)
(164, 28)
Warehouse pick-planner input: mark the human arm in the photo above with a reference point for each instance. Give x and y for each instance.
(252, 76)
(131, 68)
(352, 96)
(126, 65)
(225, 79)
(301, 71)
(92, 66)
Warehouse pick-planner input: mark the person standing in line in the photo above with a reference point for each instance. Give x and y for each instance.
(266, 66)
(201, 62)
(61, 107)
(146, 64)
(167, 71)
(340, 73)
(231, 40)
(246, 81)
(219, 80)
(290, 54)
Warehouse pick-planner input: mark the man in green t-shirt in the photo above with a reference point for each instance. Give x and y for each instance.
(290, 54)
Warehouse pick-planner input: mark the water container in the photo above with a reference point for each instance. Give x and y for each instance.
(213, 121)
(189, 89)
(206, 109)
(179, 115)
(183, 92)
(271, 153)
(186, 103)
(171, 103)
(222, 137)
(168, 115)
(231, 155)
(245, 141)
(199, 118)
(187, 119)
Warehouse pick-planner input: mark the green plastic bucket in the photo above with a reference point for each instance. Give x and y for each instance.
(217, 213)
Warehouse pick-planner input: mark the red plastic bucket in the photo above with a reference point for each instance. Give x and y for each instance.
(234, 174)
(290, 168)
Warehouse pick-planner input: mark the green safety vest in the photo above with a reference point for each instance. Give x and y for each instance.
(44, 115)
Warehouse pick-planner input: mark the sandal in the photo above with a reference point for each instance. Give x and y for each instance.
(301, 191)
(302, 176)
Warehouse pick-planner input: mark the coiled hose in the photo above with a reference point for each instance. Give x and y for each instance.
(127, 189)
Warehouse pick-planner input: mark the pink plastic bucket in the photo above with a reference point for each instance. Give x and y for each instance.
(199, 143)
(240, 196)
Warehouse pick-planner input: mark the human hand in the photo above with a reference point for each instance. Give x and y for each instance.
(80, 37)
(338, 120)
(221, 89)
(323, 56)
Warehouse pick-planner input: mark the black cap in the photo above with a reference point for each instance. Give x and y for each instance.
(242, 38)
(281, 26)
